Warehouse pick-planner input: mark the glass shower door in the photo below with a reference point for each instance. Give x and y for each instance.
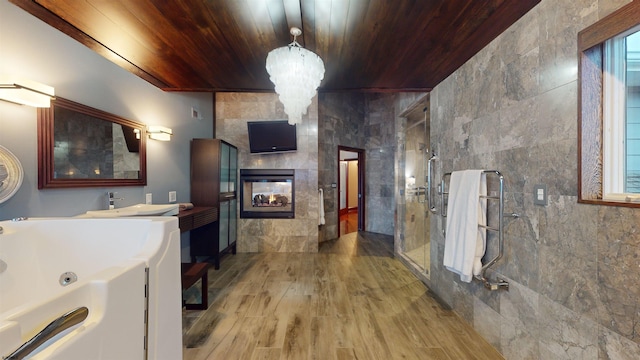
(416, 223)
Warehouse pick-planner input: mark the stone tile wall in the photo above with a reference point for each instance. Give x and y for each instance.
(341, 123)
(356, 120)
(573, 269)
(380, 145)
(364, 121)
(233, 111)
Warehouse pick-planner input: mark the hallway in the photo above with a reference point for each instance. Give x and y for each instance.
(352, 300)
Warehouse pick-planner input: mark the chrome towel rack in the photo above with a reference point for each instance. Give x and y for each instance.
(499, 229)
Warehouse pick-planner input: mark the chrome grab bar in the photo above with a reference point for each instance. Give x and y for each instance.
(58, 325)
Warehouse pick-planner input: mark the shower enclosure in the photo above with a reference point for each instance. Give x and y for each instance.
(416, 246)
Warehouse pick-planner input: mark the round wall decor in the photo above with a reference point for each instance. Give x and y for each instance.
(11, 174)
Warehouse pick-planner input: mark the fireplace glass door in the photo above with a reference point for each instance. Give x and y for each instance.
(267, 193)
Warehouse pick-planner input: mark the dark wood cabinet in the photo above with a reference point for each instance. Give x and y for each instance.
(214, 183)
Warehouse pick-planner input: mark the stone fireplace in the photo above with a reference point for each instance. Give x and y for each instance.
(267, 193)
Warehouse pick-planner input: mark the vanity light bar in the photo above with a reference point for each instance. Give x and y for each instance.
(159, 132)
(25, 92)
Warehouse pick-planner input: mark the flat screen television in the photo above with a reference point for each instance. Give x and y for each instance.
(271, 136)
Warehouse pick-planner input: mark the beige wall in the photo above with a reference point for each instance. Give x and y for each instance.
(352, 184)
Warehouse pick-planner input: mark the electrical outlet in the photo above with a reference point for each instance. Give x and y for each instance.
(172, 196)
(148, 199)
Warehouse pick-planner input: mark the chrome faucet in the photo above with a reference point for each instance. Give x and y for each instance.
(112, 199)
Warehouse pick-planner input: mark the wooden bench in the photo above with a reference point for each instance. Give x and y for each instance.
(191, 273)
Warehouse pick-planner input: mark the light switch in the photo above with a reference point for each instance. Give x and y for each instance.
(195, 113)
(540, 195)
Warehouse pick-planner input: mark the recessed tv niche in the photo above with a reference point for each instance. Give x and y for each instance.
(271, 136)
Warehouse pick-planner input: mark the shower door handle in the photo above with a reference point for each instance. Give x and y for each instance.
(432, 207)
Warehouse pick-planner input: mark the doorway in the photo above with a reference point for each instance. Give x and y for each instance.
(350, 190)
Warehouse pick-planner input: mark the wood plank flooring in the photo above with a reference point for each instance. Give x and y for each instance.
(348, 222)
(351, 300)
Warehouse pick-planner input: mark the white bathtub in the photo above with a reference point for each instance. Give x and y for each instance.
(110, 258)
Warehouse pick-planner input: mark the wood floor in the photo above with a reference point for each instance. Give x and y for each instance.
(352, 300)
(349, 222)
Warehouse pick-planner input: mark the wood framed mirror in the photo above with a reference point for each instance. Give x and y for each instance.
(79, 146)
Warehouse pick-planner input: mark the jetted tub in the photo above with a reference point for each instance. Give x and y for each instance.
(51, 266)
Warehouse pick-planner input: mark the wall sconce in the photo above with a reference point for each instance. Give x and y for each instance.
(159, 133)
(25, 92)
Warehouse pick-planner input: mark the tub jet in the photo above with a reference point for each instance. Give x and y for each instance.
(68, 278)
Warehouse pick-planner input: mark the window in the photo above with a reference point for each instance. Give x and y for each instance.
(609, 110)
(621, 116)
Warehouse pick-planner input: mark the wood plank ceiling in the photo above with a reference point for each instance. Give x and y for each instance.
(221, 45)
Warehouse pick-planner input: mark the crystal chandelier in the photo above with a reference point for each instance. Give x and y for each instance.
(296, 72)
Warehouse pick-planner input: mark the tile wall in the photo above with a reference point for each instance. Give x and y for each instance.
(233, 111)
(355, 120)
(381, 146)
(363, 121)
(574, 270)
(341, 122)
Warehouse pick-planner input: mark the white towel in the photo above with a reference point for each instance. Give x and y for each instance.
(465, 241)
(321, 207)
(185, 206)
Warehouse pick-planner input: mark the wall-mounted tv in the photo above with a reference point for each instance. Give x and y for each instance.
(271, 136)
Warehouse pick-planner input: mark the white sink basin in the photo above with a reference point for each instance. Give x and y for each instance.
(136, 210)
